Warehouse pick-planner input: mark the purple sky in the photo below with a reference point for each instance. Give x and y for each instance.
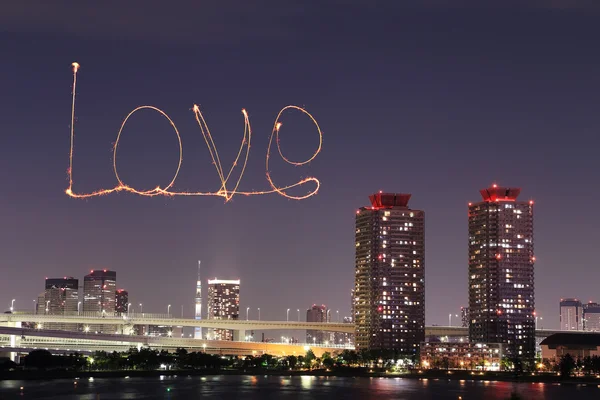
(439, 99)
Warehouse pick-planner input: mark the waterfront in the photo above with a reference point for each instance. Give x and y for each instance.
(302, 387)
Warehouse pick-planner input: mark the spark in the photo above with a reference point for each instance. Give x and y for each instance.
(241, 158)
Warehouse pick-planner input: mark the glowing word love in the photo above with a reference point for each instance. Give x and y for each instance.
(224, 191)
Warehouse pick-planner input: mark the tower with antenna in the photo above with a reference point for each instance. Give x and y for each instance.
(198, 306)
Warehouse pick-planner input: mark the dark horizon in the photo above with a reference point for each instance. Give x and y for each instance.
(439, 99)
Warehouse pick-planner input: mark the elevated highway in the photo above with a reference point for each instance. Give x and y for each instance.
(65, 341)
(239, 326)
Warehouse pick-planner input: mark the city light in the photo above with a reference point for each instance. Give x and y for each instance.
(242, 157)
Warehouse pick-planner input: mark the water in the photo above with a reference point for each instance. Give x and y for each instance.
(287, 387)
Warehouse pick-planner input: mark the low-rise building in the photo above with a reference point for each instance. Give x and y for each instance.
(578, 345)
(457, 355)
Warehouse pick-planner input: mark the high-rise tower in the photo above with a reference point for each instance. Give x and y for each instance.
(389, 289)
(99, 291)
(198, 306)
(501, 282)
(223, 303)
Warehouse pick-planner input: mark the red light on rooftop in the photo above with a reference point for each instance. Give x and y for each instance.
(494, 185)
(381, 191)
(104, 270)
(534, 313)
(91, 271)
(358, 211)
(470, 204)
(532, 258)
(530, 202)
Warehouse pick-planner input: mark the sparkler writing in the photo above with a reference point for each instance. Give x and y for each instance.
(243, 153)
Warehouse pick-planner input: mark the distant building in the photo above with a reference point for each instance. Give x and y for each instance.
(223, 303)
(464, 317)
(571, 315)
(389, 283)
(465, 355)
(501, 272)
(198, 304)
(99, 291)
(343, 338)
(61, 298)
(99, 298)
(121, 301)
(317, 314)
(591, 317)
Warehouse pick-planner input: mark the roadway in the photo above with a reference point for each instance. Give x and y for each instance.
(66, 341)
(163, 320)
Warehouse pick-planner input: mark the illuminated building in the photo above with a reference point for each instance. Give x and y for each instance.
(121, 301)
(571, 315)
(99, 291)
(99, 297)
(501, 281)
(465, 355)
(60, 298)
(198, 305)
(389, 289)
(223, 303)
(317, 314)
(591, 317)
(464, 317)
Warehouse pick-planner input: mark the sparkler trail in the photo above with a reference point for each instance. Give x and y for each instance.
(243, 152)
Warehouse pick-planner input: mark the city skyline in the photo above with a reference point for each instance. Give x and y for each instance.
(433, 100)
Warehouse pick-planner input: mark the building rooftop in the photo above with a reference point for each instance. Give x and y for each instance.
(386, 200)
(500, 193)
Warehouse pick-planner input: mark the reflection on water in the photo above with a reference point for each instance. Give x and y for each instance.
(303, 387)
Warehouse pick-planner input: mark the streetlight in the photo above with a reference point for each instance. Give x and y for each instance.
(12, 305)
(338, 315)
(247, 309)
(449, 319)
(169, 310)
(259, 313)
(34, 306)
(298, 315)
(141, 308)
(288, 315)
(78, 304)
(128, 305)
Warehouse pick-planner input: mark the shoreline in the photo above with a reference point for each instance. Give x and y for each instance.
(31, 375)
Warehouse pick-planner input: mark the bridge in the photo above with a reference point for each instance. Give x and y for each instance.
(459, 331)
(239, 327)
(23, 340)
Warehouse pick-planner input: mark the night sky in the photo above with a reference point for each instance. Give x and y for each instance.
(434, 99)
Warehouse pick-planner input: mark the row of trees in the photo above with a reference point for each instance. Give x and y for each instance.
(149, 359)
(582, 366)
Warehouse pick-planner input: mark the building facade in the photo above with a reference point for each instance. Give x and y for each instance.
(464, 317)
(591, 317)
(317, 314)
(457, 355)
(99, 291)
(571, 315)
(121, 301)
(61, 298)
(223, 303)
(389, 289)
(501, 272)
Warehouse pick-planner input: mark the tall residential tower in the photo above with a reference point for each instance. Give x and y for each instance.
(223, 303)
(389, 288)
(501, 282)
